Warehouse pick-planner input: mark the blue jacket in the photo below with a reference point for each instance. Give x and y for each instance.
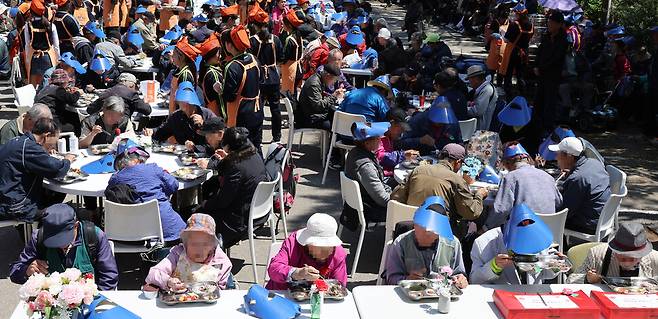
(367, 102)
(152, 182)
(584, 192)
(457, 101)
(421, 126)
(23, 166)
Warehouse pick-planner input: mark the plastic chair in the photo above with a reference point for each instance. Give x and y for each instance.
(556, 222)
(261, 206)
(292, 130)
(133, 223)
(273, 170)
(342, 125)
(27, 228)
(24, 97)
(274, 249)
(382, 263)
(578, 253)
(395, 213)
(82, 114)
(349, 190)
(468, 127)
(608, 217)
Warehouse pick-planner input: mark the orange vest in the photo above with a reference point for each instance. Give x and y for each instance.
(508, 47)
(233, 107)
(289, 70)
(81, 15)
(116, 15)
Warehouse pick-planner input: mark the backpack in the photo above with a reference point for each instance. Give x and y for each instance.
(307, 55)
(273, 163)
(122, 194)
(91, 239)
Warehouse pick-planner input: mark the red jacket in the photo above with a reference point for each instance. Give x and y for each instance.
(622, 66)
(344, 46)
(318, 57)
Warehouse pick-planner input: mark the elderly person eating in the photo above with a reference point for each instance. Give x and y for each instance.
(102, 128)
(308, 254)
(198, 258)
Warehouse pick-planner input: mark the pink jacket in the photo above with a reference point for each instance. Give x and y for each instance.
(277, 20)
(160, 273)
(293, 254)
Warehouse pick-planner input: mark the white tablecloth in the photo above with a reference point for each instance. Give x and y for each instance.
(96, 183)
(376, 302)
(229, 305)
(349, 71)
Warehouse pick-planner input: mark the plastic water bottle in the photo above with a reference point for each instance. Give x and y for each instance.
(73, 144)
(61, 146)
(317, 299)
(444, 300)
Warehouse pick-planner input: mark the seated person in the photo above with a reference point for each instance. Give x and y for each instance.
(309, 254)
(492, 253)
(150, 182)
(370, 101)
(586, 186)
(336, 58)
(61, 97)
(24, 122)
(523, 184)
(432, 129)
(127, 89)
(64, 242)
(238, 174)
(443, 180)
(518, 125)
(111, 48)
(101, 73)
(484, 97)
(425, 250)
(387, 155)
(213, 130)
(102, 128)
(182, 126)
(445, 85)
(316, 108)
(197, 258)
(26, 161)
(362, 166)
(628, 254)
(559, 133)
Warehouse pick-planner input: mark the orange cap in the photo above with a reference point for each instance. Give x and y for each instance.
(24, 7)
(291, 16)
(229, 11)
(187, 49)
(60, 3)
(302, 2)
(240, 38)
(209, 45)
(259, 15)
(38, 7)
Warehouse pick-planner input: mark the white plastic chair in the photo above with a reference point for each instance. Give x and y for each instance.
(382, 263)
(24, 97)
(273, 170)
(27, 228)
(608, 217)
(292, 130)
(82, 114)
(274, 249)
(468, 127)
(15, 70)
(556, 222)
(395, 213)
(261, 206)
(342, 125)
(132, 223)
(349, 190)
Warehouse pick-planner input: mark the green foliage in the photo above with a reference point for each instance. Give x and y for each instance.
(636, 15)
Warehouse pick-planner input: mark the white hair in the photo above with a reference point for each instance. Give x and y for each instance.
(39, 111)
(114, 103)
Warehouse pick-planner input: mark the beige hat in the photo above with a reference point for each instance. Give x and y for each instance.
(475, 70)
(333, 42)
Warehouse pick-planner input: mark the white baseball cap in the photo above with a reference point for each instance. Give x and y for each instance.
(384, 33)
(570, 145)
(320, 231)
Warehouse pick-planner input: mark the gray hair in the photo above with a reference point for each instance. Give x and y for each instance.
(332, 55)
(39, 111)
(114, 103)
(382, 22)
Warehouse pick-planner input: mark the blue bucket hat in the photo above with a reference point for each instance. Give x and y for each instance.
(259, 303)
(383, 82)
(99, 63)
(200, 18)
(489, 175)
(514, 150)
(94, 27)
(339, 16)
(187, 93)
(620, 30)
(559, 133)
(431, 220)
(516, 113)
(362, 131)
(140, 9)
(441, 112)
(368, 58)
(172, 35)
(134, 37)
(354, 36)
(525, 233)
(69, 59)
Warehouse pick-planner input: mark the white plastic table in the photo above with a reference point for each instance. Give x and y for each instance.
(145, 66)
(349, 71)
(229, 305)
(375, 302)
(96, 183)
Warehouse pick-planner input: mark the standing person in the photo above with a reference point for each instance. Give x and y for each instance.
(210, 75)
(483, 103)
(278, 12)
(241, 85)
(116, 14)
(267, 49)
(41, 42)
(550, 62)
(183, 58)
(292, 52)
(66, 24)
(517, 41)
(147, 29)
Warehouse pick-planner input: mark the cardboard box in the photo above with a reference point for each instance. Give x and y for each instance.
(521, 305)
(621, 306)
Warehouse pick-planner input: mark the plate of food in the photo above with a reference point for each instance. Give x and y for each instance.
(99, 149)
(169, 148)
(205, 292)
(73, 175)
(188, 159)
(300, 290)
(189, 173)
(632, 285)
(425, 289)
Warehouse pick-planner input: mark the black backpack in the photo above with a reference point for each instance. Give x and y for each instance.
(122, 194)
(91, 239)
(273, 164)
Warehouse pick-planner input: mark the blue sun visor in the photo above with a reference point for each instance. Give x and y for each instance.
(433, 221)
(516, 113)
(525, 233)
(441, 112)
(261, 303)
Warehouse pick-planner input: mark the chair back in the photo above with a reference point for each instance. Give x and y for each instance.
(467, 128)
(24, 96)
(82, 114)
(342, 123)
(610, 210)
(556, 223)
(578, 253)
(291, 120)
(395, 213)
(274, 249)
(133, 222)
(351, 193)
(382, 263)
(261, 203)
(617, 179)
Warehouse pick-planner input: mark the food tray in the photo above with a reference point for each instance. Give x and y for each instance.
(73, 175)
(188, 159)
(632, 285)
(202, 292)
(189, 173)
(550, 262)
(425, 289)
(169, 148)
(300, 290)
(99, 149)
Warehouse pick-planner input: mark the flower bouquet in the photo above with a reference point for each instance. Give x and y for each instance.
(57, 296)
(442, 279)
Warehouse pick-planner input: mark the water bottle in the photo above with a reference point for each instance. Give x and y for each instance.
(317, 299)
(73, 144)
(444, 300)
(61, 146)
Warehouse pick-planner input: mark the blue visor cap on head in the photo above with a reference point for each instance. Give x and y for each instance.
(514, 150)
(101, 166)
(367, 60)
(69, 59)
(140, 9)
(172, 35)
(200, 18)
(134, 37)
(441, 112)
(620, 30)
(362, 131)
(93, 27)
(526, 233)
(516, 113)
(559, 133)
(489, 175)
(354, 36)
(169, 48)
(13, 12)
(187, 93)
(329, 34)
(100, 64)
(258, 302)
(432, 220)
(340, 16)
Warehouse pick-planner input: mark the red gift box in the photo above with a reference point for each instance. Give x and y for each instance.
(620, 306)
(523, 305)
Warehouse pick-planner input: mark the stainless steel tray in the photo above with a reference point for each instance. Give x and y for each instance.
(71, 177)
(632, 285)
(424, 289)
(99, 149)
(205, 292)
(189, 173)
(300, 290)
